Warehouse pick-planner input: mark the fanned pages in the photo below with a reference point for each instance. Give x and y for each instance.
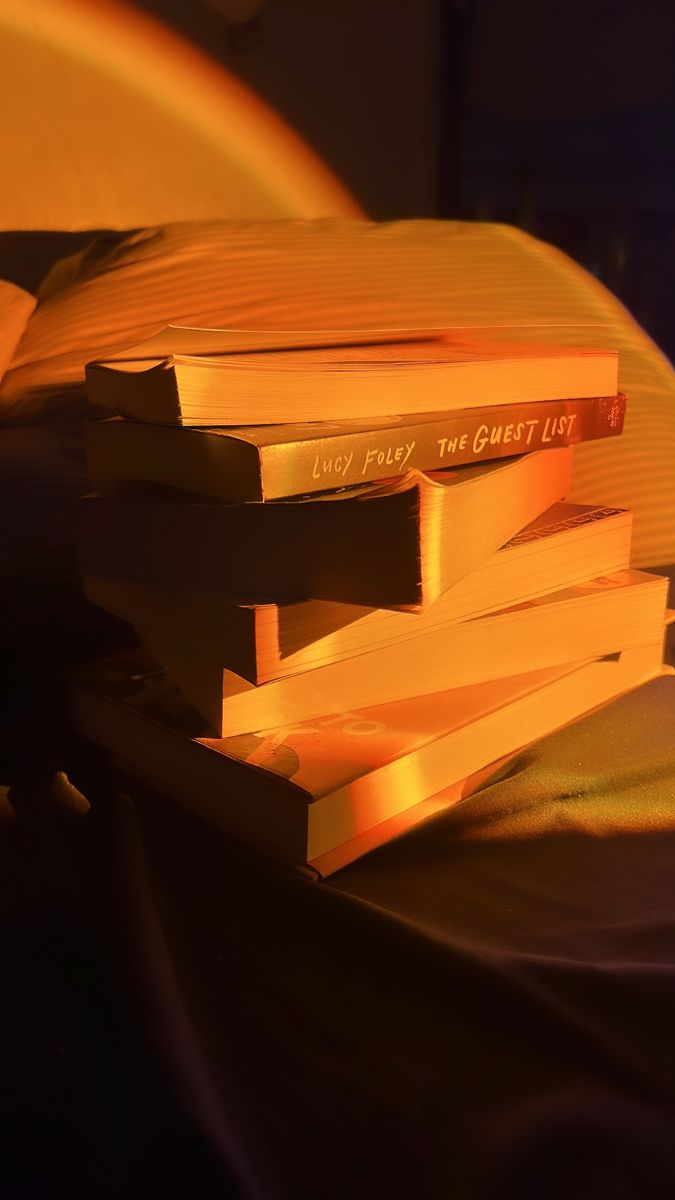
(399, 545)
(347, 382)
(568, 544)
(596, 618)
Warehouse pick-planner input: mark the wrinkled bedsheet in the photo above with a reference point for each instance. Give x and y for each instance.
(483, 1008)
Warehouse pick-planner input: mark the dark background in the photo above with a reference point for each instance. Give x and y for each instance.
(554, 115)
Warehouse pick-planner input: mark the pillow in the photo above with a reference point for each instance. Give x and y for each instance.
(339, 273)
(16, 306)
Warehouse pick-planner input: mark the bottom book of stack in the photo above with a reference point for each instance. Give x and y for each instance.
(325, 791)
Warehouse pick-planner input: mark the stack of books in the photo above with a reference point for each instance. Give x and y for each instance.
(350, 610)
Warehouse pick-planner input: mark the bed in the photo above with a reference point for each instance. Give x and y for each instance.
(479, 1009)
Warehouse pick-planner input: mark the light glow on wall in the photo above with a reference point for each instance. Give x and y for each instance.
(111, 120)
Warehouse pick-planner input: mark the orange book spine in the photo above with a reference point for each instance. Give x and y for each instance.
(295, 466)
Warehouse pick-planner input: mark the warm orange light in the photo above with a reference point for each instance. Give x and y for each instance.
(111, 120)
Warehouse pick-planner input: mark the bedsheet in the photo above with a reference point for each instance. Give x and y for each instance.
(483, 1008)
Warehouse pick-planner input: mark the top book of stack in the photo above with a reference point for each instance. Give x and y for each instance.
(230, 377)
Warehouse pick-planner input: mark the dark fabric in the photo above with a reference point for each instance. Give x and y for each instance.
(482, 1009)
(85, 1110)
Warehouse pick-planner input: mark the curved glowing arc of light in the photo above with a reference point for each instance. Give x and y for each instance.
(140, 50)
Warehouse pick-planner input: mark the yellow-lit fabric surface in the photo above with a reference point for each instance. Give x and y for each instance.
(482, 1009)
(349, 273)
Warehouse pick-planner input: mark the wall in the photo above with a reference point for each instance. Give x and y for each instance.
(357, 78)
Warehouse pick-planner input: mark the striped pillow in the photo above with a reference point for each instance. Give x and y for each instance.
(16, 307)
(338, 273)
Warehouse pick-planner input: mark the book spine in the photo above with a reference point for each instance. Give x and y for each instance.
(293, 468)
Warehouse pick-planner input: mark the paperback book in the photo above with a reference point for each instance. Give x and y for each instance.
(565, 546)
(319, 791)
(397, 545)
(344, 380)
(271, 462)
(596, 618)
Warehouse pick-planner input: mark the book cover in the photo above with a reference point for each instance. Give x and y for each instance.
(268, 462)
